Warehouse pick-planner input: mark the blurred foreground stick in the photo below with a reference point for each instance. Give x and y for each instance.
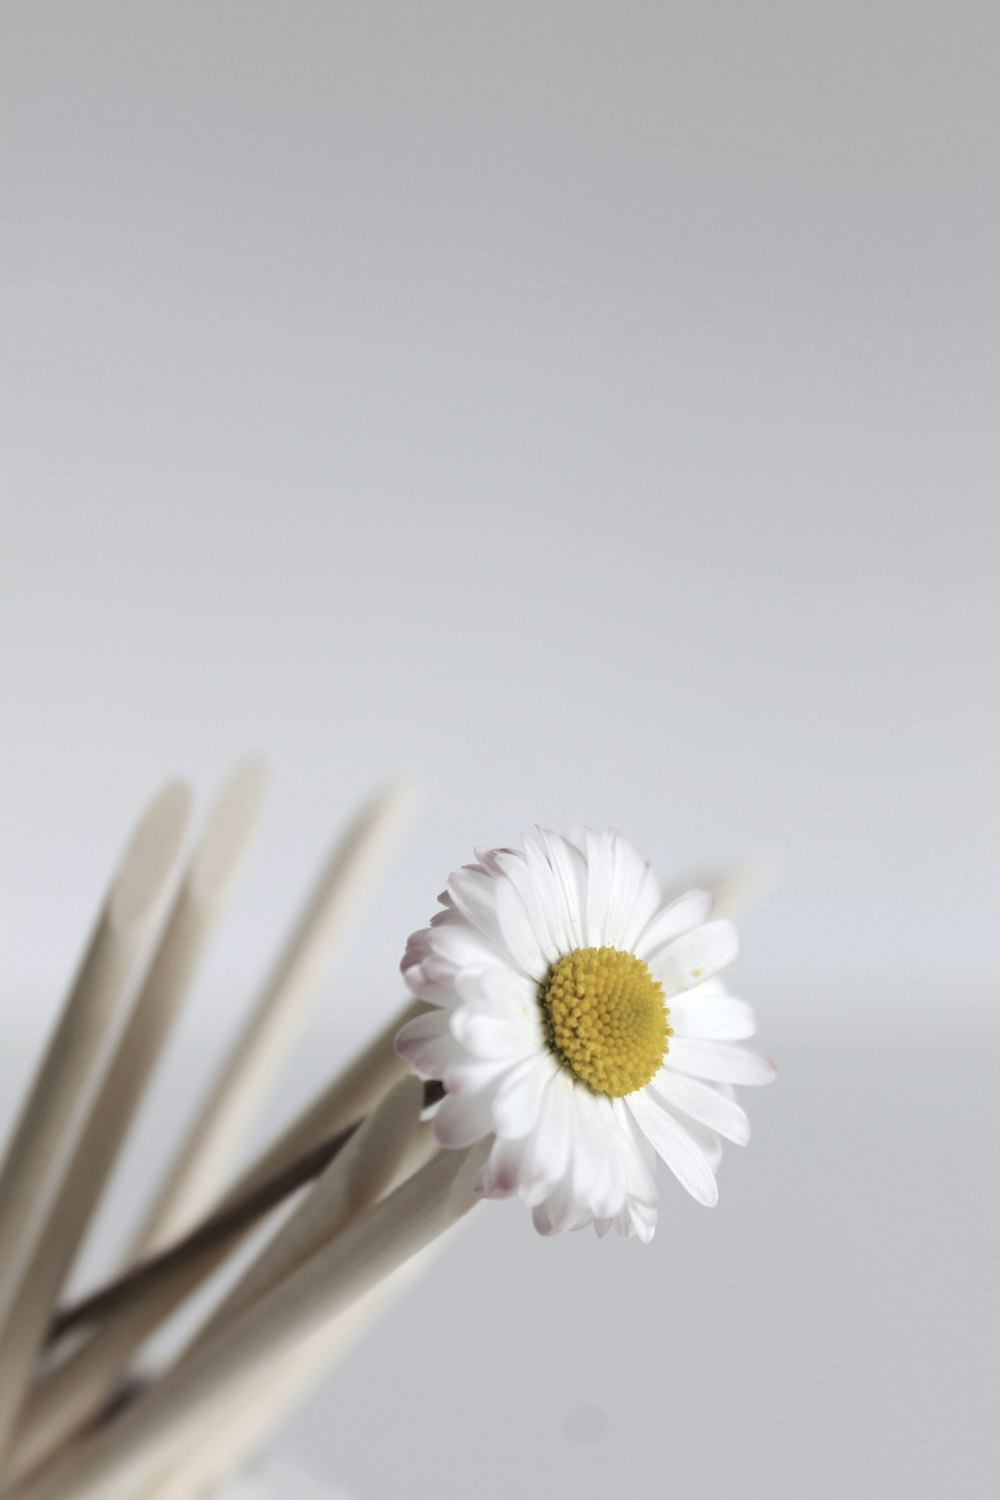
(117, 1461)
(196, 910)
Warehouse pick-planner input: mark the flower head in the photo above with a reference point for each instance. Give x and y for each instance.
(577, 1019)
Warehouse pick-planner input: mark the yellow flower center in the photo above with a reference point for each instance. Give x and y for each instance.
(605, 1019)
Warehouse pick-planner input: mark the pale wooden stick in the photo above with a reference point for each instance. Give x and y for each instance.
(197, 908)
(260, 1406)
(351, 1094)
(354, 1179)
(118, 1461)
(75, 1388)
(68, 1394)
(257, 1407)
(221, 1125)
(44, 1132)
(222, 1227)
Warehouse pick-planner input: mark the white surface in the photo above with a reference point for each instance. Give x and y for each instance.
(589, 409)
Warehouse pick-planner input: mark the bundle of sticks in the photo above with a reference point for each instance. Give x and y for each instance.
(340, 1211)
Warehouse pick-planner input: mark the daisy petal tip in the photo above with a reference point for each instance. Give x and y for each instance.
(543, 1224)
(492, 1184)
(707, 1193)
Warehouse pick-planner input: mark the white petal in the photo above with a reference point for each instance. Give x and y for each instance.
(723, 1019)
(491, 1036)
(673, 1143)
(704, 1104)
(538, 899)
(463, 1118)
(519, 1099)
(691, 910)
(547, 1156)
(597, 1174)
(570, 878)
(640, 1159)
(624, 916)
(427, 1044)
(551, 896)
(470, 1075)
(641, 1220)
(471, 890)
(696, 956)
(724, 1062)
(505, 993)
(519, 935)
(599, 854)
(708, 1143)
(647, 902)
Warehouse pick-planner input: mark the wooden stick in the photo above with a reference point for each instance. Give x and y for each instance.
(132, 1307)
(353, 1093)
(44, 1133)
(219, 1229)
(222, 1123)
(260, 1406)
(263, 1404)
(196, 910)
(118, 1461)
(354, 1180)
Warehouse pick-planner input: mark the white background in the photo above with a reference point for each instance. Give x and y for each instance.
(590, 411)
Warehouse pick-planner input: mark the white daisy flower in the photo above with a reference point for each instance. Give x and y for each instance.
(577, 1020)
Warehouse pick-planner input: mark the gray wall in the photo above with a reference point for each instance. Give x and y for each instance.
(591, 410)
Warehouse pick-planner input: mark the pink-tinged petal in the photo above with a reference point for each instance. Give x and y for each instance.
(675, 1146)
(696, 956)
(720, 1062)
(499, 1177)
(427, 1044)
(560, 1212)
(438, 955)
(722, 1018)
(462, 947)
(682, 915)
(704, 1104)
(519, 1099)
